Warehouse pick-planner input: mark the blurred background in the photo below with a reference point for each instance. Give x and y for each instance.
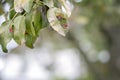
(90, 51)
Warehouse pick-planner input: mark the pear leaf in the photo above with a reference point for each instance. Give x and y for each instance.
(30, 34)
(27, 5)
(20, 5)
(19, 29)
(30, 40)
(29, 24)
(5, 35)
(55, 23)
(67, 7)
(49, 3)
(37, 20)
(33, 20)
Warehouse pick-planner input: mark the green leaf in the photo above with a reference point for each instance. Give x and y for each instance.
(37, 20)
(19, 29)
(29, 24)
(5, 26)
(33, 20)
(5, 35)
(30, 40)
(30, 35)
(1, 10)
(11, 14)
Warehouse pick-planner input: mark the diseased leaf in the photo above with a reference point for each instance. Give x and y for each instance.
(30, 16)
(5, 35)
(67, 7)
(37, 20)
(54, 22)
(19, 29)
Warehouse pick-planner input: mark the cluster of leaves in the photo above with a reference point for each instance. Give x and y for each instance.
(28, 17)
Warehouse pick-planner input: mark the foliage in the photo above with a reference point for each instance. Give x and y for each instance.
(102, 28)
(28, 17)
(99, 15)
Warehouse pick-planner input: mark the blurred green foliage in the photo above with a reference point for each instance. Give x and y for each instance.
(100, 21)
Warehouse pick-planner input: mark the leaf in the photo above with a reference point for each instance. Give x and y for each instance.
(37, 20)
(11, 14)
(30, 35)
(5, 26)
(45, 22)
(19, 5)
(19, 29)
(49, 3)
(5, 35)
(30, 40)
(67, 6)
(1, 10)
(34, 19)
(54, 22)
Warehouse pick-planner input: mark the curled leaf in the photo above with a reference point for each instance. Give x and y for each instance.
(66, 5)
(54, 21)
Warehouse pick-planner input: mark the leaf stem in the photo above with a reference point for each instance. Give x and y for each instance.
(10, 10)
(13, 18)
